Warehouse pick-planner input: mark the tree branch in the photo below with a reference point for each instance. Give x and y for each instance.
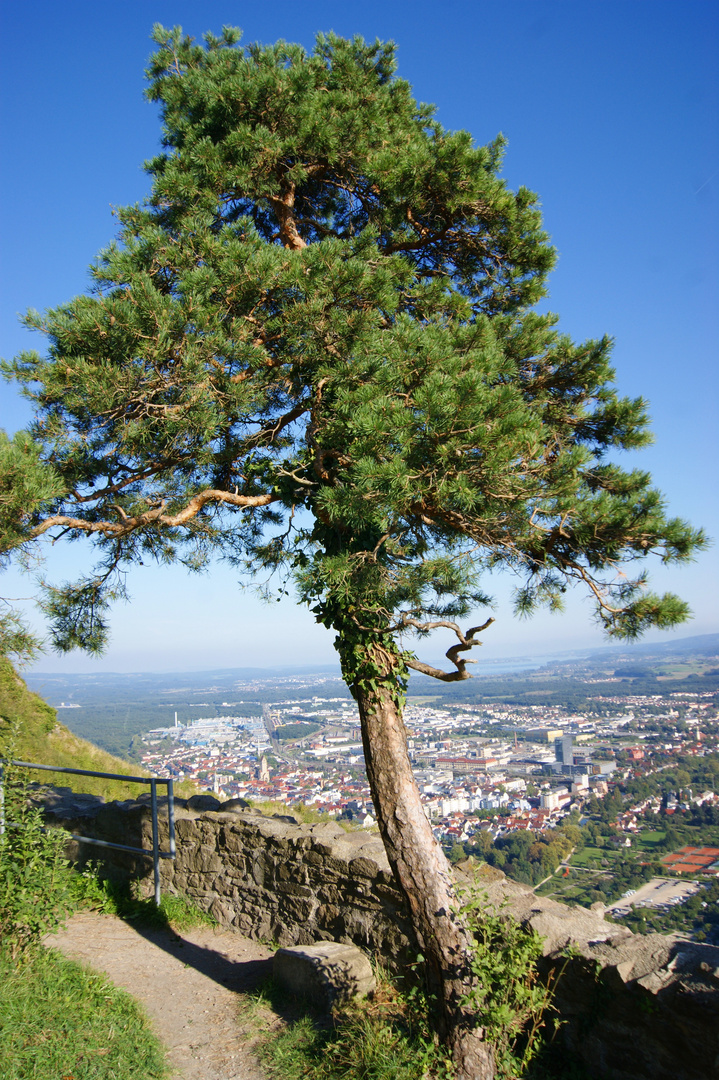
(111, 489)
(466, 642)
(283, 206)
(156, 516)
(270, 433)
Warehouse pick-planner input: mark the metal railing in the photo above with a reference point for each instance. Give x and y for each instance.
(153, 781)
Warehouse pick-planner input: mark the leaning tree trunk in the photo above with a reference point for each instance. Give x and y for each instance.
(419, 864)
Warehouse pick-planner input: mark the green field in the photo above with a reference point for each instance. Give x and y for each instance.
(592, 857)
(649, 839)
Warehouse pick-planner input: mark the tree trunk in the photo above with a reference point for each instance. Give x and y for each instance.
(419, 865)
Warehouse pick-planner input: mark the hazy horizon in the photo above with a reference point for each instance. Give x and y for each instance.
(535, 659)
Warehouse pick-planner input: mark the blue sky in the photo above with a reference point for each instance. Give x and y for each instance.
(610, 110)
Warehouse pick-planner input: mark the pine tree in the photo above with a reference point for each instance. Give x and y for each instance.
(314, 349)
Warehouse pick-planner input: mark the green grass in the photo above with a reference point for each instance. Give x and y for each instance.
(592, 855)
(386, 1038)
(30, 731)
(60, 1021)
(390, 1035)
(648, 839)
(369, 1049)
(116, 898)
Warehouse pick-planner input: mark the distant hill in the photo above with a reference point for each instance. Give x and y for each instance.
(30, 731)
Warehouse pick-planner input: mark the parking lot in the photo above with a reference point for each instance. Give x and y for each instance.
(658, 892)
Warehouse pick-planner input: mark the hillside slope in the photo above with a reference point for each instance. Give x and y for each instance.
(30, 731)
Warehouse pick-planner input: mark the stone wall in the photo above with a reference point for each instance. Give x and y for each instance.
(631, 1007)
(267, 877)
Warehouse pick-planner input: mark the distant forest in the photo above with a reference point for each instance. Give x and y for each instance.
(117, 707)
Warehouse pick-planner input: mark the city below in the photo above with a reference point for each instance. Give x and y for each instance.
(592, 779)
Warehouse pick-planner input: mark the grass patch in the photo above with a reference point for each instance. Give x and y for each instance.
(385, 1038)
(116, 898)
(30, 731)
(366, 1047)
(592, 855)
(390, 1035)
(181, 914)
(647, 840)
(58, 1020)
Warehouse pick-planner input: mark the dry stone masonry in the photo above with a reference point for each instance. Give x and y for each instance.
(632, 1007)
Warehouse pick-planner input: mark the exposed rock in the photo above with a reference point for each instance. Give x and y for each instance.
(62, 803)
(203, 802)
(233, 805)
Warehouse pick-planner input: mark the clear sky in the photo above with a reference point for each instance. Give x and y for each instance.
(610, 109)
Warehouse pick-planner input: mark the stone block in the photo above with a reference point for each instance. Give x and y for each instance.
(300, 911)
(336, 866)
(231, 839)
(292, 888)
(326, 830)
(279, 844)
(222, 911)
(330, 894)
(328, 973)
(273, 828)
(362, 867)
(235, 805)
(203, 802)
(259, 871)
(186, 829)
(207, 861)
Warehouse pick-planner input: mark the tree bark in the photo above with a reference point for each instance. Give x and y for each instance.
(420, 866)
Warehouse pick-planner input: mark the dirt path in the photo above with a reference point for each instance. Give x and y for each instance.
(189, 984)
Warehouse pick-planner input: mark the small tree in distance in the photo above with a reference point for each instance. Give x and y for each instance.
(314, 350)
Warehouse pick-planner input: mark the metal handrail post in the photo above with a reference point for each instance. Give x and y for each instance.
(152, 781)
(155, 841)
(171, 815)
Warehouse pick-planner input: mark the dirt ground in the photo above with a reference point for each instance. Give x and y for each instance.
(191, 985)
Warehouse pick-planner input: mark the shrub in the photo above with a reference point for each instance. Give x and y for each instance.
(511, 1004)
(35, 880)
(385, 1038)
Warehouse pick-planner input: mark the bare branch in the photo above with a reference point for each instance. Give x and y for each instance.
(584, 575)
(466, 642)
(445, 676)
(270, 433)
(298, 479)
(156, 516)
(111, 489)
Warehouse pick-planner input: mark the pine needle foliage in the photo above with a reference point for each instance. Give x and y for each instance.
(315, 348)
